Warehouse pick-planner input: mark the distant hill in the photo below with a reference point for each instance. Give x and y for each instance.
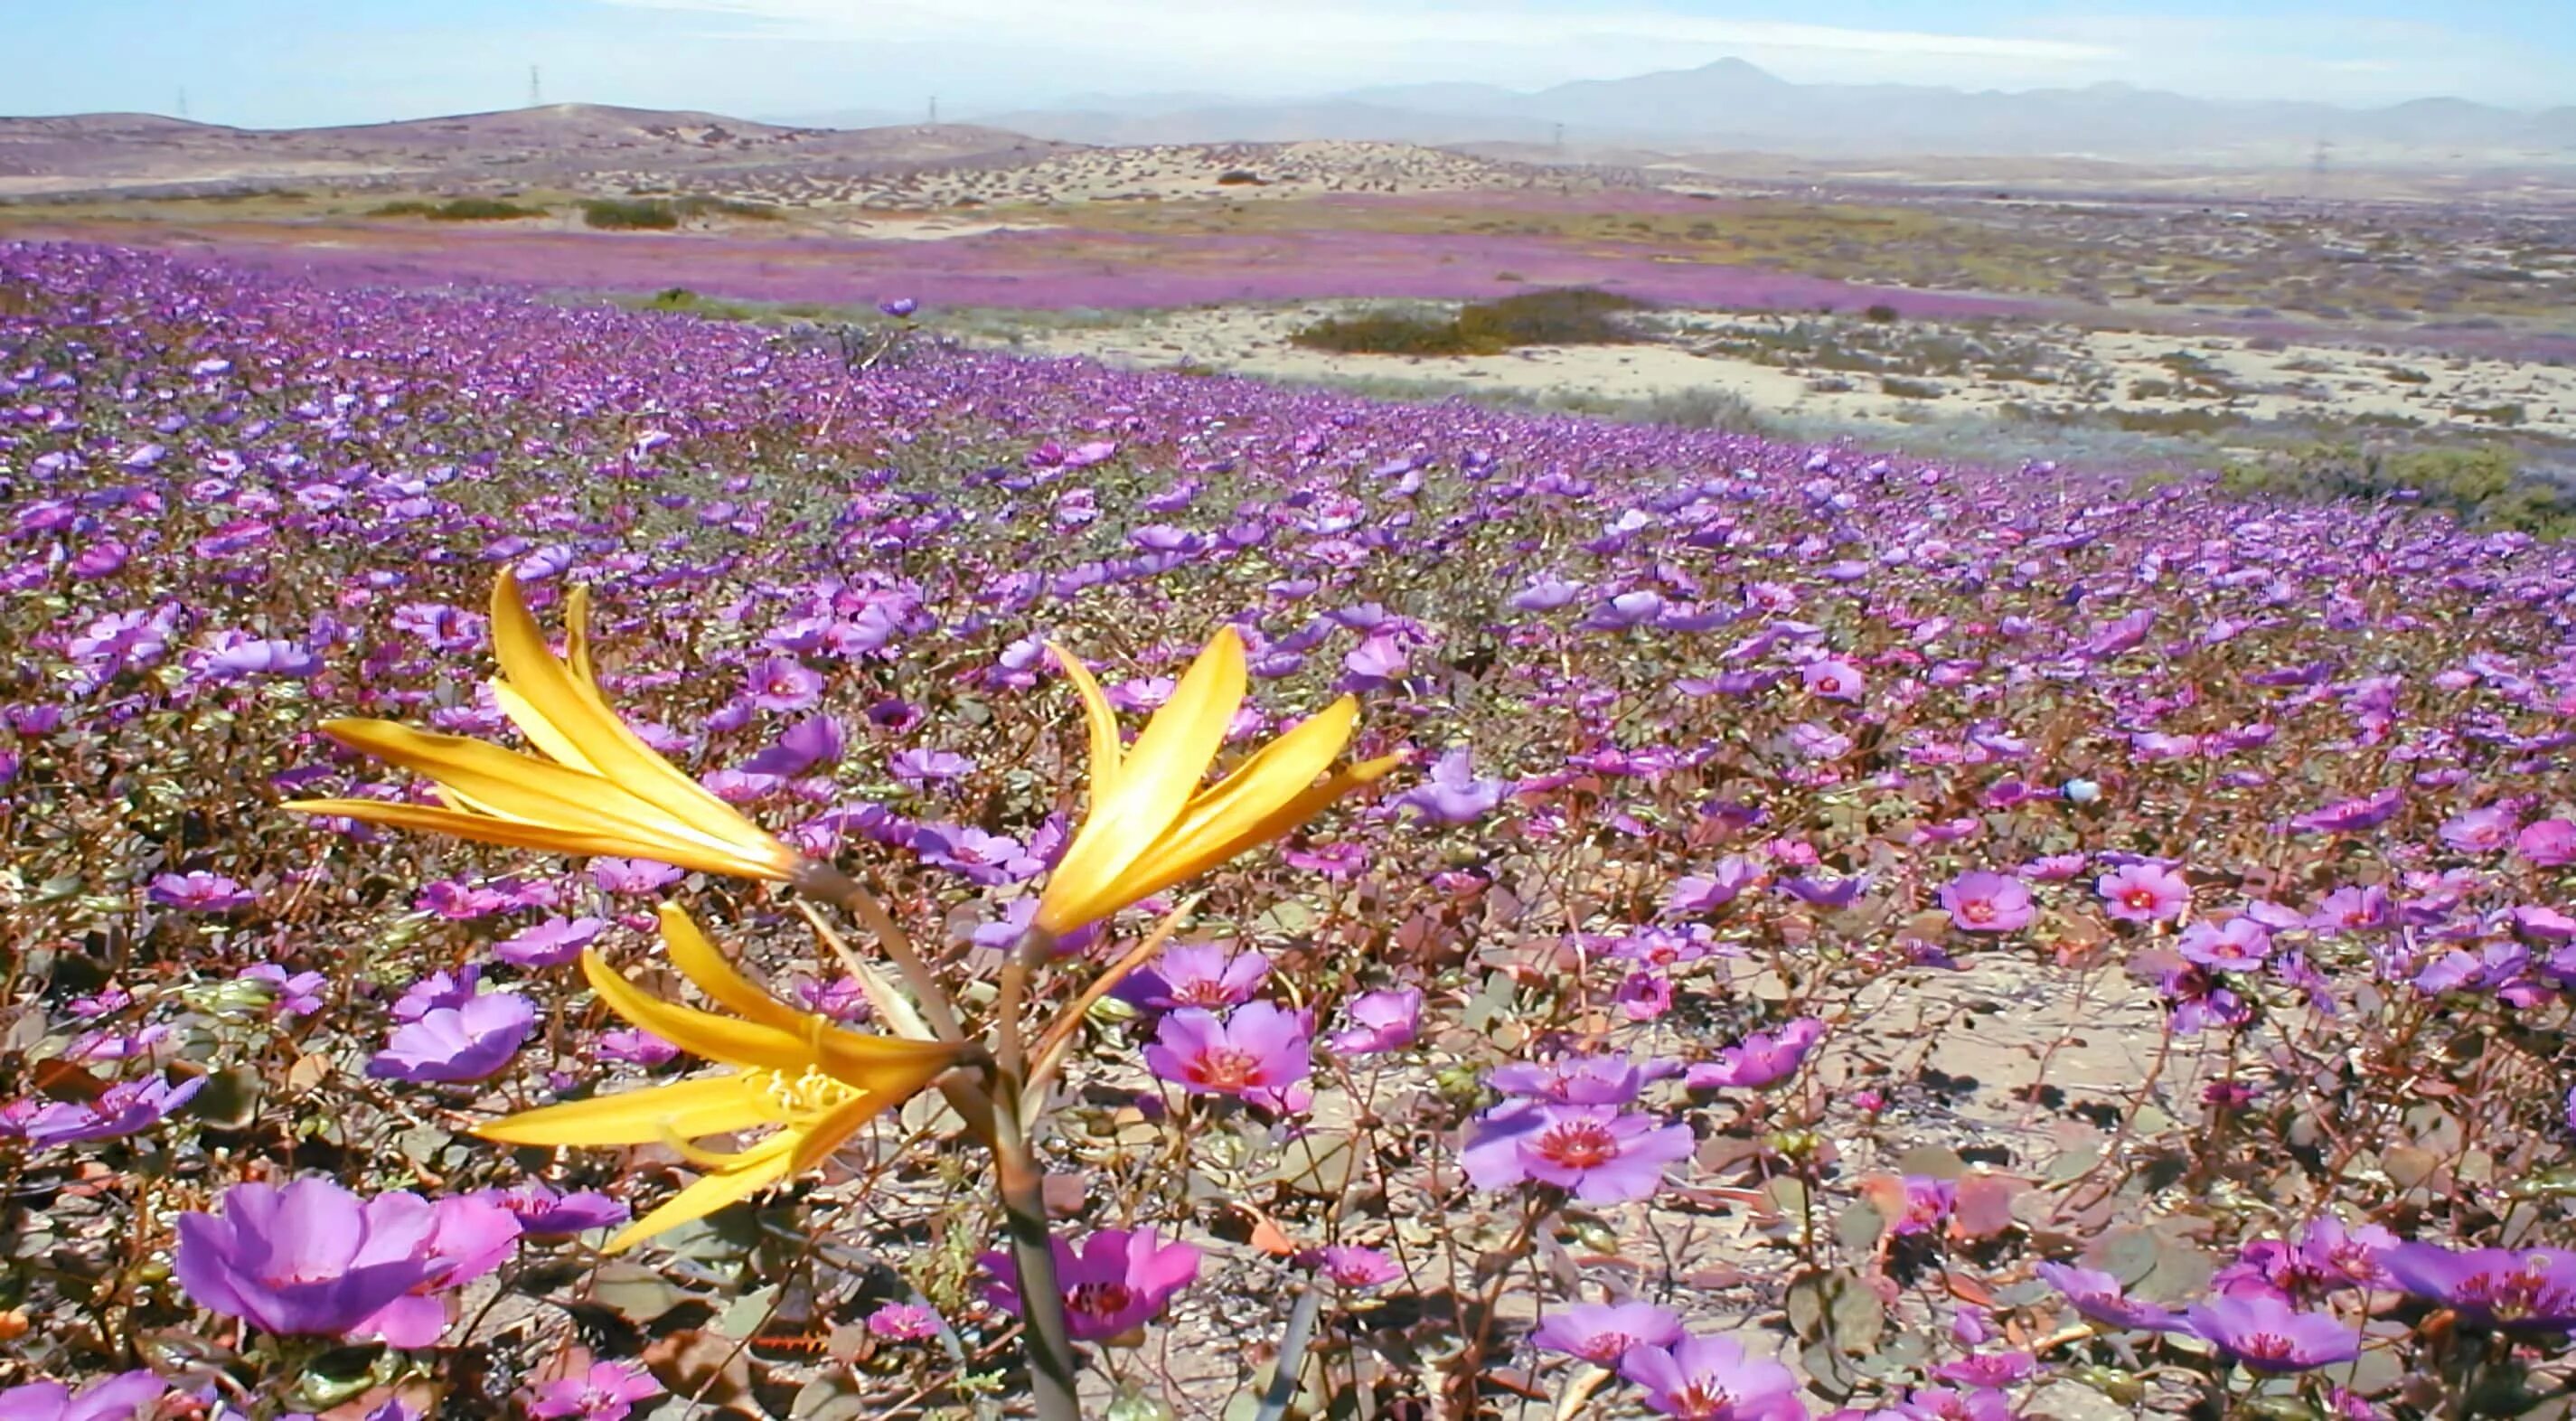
(580, 145)
(1735, 105)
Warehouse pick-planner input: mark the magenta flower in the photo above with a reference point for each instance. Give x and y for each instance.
(1113, 1284)
(1579, 1080)
(1356, 1269)
(199, 893)
(1927, 1205)
(117, 1398)
(784, 684)
(1197, 974)
(1833, 680)
(1980, 902)
(544, 1213)
(1709, 1379)
(607, 1392)
(814, 743)
(2547, 843)
(1451, 793)
(2100, 1298)
(1259, 1048)
(2480, 831)
(2531, 1291)
(126, 1108)
(443, 988)
(1379, 1022)
(2143, 892)
(470, 1236)
(2353, 815)
(1761, 1059)
(2238, 945)
(1602, 1333)
(1988, 1371)
(2264, 1334)
(296, 995)
(457, 1044)
(903, 1322)
(1702, 893)
(307, 1258)
(1940, 1403)
(920, 767)
(1599, 1154)
(551, 943)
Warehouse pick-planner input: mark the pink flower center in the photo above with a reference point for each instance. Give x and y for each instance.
(1701, 1401)
(1100, 1300)
(2265, 1346)
(1606, 1348)
(1204, 992)
(1579, 1144)
(2140, 898)
(1225, 1068)
(1977, 910)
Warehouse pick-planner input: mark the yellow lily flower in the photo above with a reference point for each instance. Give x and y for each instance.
(598, 789)
(1154, 823)
(814, 1081)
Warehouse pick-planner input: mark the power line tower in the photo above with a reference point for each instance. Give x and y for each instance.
(1560, 138)
(183, 101)
(2317, 168)
(536, 89)
(934, 110)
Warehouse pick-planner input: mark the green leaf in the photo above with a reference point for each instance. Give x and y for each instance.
(634, 1292)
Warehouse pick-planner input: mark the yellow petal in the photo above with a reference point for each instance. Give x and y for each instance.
(711, 1105)
(540, 730)
(883, 1065)
(718, 1038)
(1102, 721)
(577, 640)
(819, 1136)
(758, 1169)
(485, 827)
(700, 962)
(582, 717)
(518, 786)
(1156, 779)
(1282, 770)
(1190, 860)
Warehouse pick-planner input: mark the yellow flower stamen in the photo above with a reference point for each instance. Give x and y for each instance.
(793, 1069)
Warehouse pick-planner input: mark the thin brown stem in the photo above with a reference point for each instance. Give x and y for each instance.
(821, 880)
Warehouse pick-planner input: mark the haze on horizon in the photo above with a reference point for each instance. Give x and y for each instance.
(292, 63)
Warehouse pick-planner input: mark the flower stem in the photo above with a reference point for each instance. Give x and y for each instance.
(823, 881)
(1023, 1188)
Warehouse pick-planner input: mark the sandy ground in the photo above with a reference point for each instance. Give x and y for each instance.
(1160, 173)
(2096, 369)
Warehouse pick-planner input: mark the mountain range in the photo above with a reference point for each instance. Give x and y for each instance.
(1732, 104)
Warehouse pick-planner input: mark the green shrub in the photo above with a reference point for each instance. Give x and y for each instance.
(2483, 486)
(458, 209)
(724, 206)
(480, 209)
(619, 215)
(1387, 333)
(1903, 389)
(1567, 316)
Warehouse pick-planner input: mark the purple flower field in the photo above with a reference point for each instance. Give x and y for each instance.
(1845, 936)
(1049, 270)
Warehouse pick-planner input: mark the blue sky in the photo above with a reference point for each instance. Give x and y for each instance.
(290, 62)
